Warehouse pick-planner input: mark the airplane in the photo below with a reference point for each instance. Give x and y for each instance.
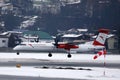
(69, 47)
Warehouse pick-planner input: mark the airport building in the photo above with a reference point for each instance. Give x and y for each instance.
(13, 38)
(3, 41)
(112, 42)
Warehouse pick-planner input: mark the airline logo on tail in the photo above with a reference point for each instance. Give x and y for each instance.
(100, 40)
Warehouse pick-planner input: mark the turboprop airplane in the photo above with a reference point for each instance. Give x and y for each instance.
(97, 44)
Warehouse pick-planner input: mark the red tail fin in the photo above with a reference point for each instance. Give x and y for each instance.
(100, 40)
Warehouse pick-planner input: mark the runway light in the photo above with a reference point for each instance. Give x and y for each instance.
(18, 65)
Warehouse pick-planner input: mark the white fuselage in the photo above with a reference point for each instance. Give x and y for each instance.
(50, 47)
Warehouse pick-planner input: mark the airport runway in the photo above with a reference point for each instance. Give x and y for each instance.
(38, 62)
(6, 77)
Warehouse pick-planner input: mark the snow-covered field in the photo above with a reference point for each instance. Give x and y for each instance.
(96, 73)
(61, 57)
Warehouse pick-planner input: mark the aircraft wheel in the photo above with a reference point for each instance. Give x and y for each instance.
(50, 55)
(69, 55)
(18, 53)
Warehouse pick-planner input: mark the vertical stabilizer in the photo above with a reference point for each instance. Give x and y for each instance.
(101, 38)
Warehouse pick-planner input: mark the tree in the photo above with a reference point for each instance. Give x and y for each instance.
(11, 21)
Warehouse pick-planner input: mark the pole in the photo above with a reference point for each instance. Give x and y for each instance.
(104, 73)
(104, 66)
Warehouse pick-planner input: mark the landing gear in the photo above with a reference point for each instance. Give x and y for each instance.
(18, 53)
(69, 55)
(50, 54)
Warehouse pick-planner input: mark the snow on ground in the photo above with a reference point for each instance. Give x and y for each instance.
(95, 73)
(60, 56)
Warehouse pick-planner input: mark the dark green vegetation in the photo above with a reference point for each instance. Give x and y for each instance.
(89, 14)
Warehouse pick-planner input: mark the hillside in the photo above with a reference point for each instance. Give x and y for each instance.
(58, 15)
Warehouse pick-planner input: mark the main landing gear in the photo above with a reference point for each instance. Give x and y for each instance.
(69, 55)
(50, 54)
(18, 53)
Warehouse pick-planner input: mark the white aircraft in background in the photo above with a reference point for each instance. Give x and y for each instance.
(97, 44)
